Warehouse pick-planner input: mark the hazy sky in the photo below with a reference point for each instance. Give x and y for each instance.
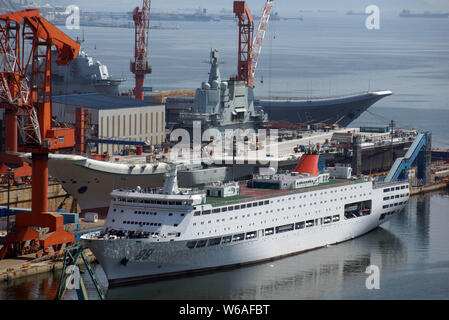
(282, 6)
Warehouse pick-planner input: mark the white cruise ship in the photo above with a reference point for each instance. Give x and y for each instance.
(172, 231)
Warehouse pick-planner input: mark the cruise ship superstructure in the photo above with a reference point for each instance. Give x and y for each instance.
(172, 231)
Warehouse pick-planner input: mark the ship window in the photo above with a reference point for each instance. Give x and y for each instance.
(269, 231)
(197, 213)
(310, 223)
(224, 209)
(250, 235)
(248, 205)
(238, 237)
(327, 220)
(230, 208)
(386, 198)
(387, 190)
(206, 212)
(227, 239)
(285, 228)
(242, 206)
(382, 216)
(170, 214)
(216, 211)
(267, 202)
(214, 242)
(336, 218)
(260, 203)
(299, 225)
(201, 243)
(254, 204)
(191, 244)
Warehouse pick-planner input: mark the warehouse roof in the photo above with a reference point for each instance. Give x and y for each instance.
(100, 101)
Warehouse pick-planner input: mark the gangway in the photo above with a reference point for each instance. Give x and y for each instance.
(401, 165)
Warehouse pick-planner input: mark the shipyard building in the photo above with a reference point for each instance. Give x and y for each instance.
(111, 122)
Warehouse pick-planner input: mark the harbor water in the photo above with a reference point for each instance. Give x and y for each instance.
(323, 55)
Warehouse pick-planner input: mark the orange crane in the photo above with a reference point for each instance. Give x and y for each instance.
(26, 40)
(140, 66)
(250, 46)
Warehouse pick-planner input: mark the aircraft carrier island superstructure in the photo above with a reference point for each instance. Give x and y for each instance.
(222, 104)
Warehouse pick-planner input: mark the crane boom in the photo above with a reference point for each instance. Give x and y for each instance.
(140, 66)
(260, 35)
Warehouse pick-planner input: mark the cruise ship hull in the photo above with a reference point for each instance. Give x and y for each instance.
(174, 258)
(340, 110)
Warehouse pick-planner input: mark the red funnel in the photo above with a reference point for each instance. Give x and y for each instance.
(308, 163)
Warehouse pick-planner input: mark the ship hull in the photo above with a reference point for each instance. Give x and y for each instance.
(170, 259)
(274, 229)
(339, 110)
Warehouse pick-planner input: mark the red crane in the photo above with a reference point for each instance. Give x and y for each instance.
(140, 66)
(250, 46)
(26, 40)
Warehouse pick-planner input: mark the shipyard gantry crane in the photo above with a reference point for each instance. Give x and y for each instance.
(140, 66)
(26, 40)
(250, 45)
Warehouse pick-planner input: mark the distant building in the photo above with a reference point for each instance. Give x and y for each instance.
(114, 118)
